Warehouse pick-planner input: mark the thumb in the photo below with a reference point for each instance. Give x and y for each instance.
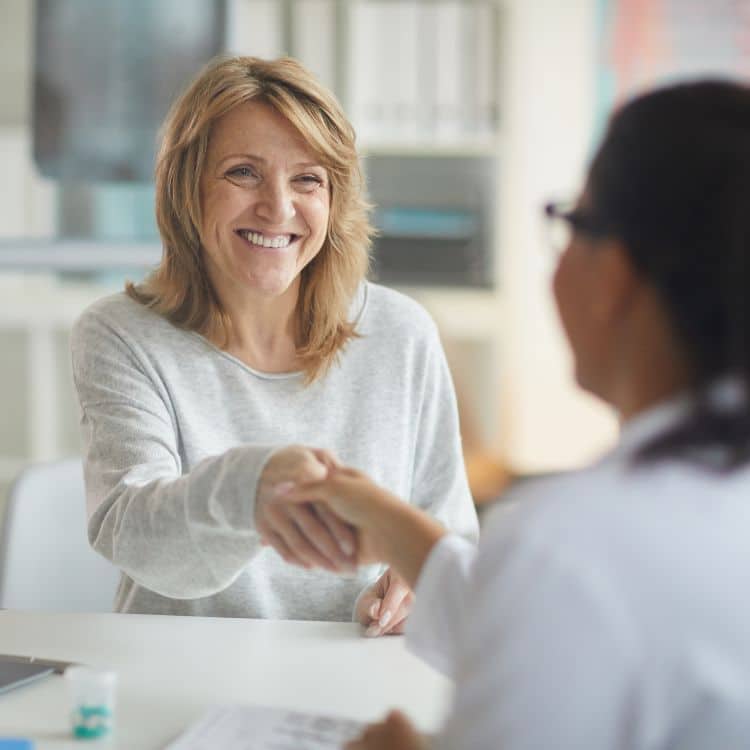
(368, 607)
(311, 470)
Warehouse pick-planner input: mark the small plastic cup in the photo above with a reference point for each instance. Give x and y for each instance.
(92, 696)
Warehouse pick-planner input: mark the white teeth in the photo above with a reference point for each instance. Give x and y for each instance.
(256, 238)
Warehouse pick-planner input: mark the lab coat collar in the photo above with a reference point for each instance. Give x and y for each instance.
(725, 393)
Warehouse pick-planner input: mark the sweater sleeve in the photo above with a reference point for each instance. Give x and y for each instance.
(439, 482)
(182, 535)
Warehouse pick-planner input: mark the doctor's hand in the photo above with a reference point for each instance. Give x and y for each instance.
(303, 533)
(355, 499)
(384, 606)
(396, 732)
(387, 529)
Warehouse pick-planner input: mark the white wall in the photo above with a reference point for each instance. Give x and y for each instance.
(548, 117)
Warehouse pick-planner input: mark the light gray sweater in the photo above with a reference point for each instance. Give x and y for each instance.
(176, 433)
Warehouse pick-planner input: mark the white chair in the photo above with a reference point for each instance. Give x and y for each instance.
(46, 562)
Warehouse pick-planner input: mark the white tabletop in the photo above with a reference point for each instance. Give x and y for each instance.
(171, 669)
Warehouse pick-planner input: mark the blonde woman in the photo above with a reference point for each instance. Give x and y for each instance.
(256, 335)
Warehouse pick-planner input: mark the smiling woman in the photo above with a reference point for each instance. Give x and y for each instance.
(266, 206)
(255, 336)
(233, 138)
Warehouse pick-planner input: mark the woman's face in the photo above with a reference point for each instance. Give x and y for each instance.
(265, 204)
(580, 286)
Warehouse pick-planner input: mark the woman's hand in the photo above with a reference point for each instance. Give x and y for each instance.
(303, 533)
(353, 498)
(385, 605)
(387, 529)
(396, 732)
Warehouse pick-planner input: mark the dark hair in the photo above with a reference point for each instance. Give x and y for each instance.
(672, 181)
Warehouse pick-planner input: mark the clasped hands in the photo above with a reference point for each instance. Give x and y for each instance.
(316, 535)
(336, 532)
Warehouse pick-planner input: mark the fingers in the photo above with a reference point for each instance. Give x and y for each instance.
(342, 532)
(295, 547)
(393, 610)
(346, 492)
(399, 625)
(302, 538)
(319, 534)
(310, 469)
(295, 464)
(394, 733)
(368, 607)
(299, 533)
(276, 541)
(327, 459)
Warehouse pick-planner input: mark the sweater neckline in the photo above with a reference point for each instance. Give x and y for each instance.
(357, 307)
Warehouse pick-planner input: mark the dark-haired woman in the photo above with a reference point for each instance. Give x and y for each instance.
(609, 608)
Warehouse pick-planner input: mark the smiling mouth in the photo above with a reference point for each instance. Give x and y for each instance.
(258, 239)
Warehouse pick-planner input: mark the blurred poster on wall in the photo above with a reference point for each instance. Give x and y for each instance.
(646, 43)
(105, 74)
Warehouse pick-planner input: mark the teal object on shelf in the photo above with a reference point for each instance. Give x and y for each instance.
(434, 223)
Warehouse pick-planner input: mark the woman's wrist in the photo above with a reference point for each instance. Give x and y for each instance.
(403, 536)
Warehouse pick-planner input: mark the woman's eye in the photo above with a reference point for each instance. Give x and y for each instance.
(242, 173)
(309, 181)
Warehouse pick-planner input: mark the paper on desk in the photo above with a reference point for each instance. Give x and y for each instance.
(263, 728)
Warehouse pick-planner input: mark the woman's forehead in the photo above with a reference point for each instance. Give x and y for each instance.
(256, 128)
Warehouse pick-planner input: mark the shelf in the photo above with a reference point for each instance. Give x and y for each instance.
(417, 222)
(466, 146)
(76, 255)
(438, 236)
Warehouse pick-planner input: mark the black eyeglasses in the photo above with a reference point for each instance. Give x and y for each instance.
(563, 220)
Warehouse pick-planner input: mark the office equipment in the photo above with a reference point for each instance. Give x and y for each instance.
(58, 667)
(13, 674)
(172, 670)
(45, 558)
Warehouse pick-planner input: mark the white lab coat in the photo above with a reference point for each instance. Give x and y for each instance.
(606, 608)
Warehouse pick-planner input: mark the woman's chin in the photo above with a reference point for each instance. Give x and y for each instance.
(271, 287)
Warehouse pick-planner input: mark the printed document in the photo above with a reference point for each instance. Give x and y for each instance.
(263, 728)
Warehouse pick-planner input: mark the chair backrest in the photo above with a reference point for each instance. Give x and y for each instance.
(46, 561)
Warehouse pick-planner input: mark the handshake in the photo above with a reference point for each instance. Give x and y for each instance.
(317, 513)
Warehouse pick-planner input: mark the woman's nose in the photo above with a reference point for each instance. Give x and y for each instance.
(276, 203)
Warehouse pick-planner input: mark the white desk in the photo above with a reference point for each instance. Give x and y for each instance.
(171, 669)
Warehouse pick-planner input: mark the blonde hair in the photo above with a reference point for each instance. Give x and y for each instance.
(180, 288)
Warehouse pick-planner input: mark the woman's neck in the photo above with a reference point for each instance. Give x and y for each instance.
(633, 402)
(651, 365)
(263, 332)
